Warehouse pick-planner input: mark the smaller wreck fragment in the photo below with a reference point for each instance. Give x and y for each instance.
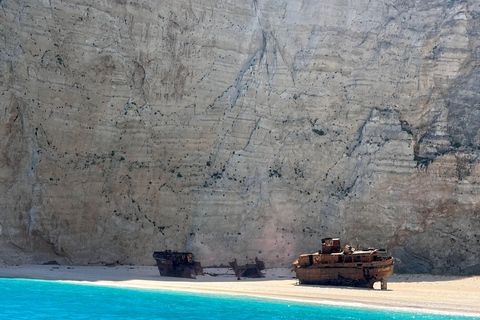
(344, 267)
(177, 264)
(249, 270)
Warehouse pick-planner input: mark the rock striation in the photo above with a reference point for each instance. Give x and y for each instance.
(240, 129)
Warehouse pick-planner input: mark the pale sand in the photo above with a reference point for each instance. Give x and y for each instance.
(420, 293)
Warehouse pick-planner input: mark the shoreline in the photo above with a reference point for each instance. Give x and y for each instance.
(449, 295)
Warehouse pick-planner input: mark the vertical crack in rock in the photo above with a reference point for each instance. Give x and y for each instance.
(283, 56)
(139, 75)
(360, 133)
(31, 143)
(36, 191)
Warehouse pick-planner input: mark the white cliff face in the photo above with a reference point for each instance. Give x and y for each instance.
(239, 129)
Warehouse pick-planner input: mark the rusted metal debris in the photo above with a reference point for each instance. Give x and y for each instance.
(346, 267)
(249, 270)
(177, 264)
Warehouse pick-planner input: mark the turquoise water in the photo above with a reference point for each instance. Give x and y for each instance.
(35, 299)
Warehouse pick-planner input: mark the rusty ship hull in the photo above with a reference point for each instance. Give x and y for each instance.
(333, 266)
(346, 274)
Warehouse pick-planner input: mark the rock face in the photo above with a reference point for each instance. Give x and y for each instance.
(240, 129)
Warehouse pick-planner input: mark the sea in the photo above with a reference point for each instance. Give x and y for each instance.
(38, 299)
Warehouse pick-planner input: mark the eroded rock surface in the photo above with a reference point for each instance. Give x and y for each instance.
(239, 129)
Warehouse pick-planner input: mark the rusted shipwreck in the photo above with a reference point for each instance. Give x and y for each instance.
(346, 267)
(249, 270)
(177, 264)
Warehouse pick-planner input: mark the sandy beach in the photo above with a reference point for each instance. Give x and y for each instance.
(420, 293)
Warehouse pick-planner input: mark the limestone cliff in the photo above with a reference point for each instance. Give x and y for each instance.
(236, 129)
